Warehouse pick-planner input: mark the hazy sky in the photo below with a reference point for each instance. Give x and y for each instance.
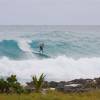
(50, 12)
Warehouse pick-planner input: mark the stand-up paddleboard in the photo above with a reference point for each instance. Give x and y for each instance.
(38, 54)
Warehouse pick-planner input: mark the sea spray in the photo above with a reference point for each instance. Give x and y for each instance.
(57, 69)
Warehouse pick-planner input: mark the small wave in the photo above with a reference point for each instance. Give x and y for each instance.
(16, 49)
(24, 45)
(57, 69)
(10, 49)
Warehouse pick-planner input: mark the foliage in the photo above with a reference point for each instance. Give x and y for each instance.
(10, 85)
(38, 82)
(3, 86)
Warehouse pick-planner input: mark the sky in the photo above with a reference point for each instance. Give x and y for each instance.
(49, 12)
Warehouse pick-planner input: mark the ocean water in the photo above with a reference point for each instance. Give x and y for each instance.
(71, 52)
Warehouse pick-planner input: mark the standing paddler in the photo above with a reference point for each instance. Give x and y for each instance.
(41, 48)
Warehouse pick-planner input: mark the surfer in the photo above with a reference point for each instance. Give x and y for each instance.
(41, 47)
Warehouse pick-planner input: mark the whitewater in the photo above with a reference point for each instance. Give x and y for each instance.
(74, 52)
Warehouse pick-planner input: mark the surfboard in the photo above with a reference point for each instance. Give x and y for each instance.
(38, 54)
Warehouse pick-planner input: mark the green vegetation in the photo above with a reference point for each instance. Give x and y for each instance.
(53, 96)
(38, 83)
(10, 85)
(10, 89)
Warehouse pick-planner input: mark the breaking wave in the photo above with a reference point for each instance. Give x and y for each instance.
(71, 56)
(57, 69)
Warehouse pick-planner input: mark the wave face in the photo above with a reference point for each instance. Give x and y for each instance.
(72, 53)
(10, 48)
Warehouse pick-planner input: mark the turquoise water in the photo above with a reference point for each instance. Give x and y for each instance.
(75, 45)
(71, 51)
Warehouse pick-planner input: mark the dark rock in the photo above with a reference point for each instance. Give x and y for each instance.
(53, 84)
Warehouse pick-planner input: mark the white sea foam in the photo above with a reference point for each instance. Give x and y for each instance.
(60, 68)
(24, 45)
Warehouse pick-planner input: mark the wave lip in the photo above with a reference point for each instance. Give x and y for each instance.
(58, 69)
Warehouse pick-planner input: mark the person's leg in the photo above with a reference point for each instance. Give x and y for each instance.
(42, 51)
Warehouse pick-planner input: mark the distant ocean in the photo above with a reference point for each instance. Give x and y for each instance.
(72, 52)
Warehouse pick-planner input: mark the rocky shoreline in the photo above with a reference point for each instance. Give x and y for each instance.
(77, 85)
